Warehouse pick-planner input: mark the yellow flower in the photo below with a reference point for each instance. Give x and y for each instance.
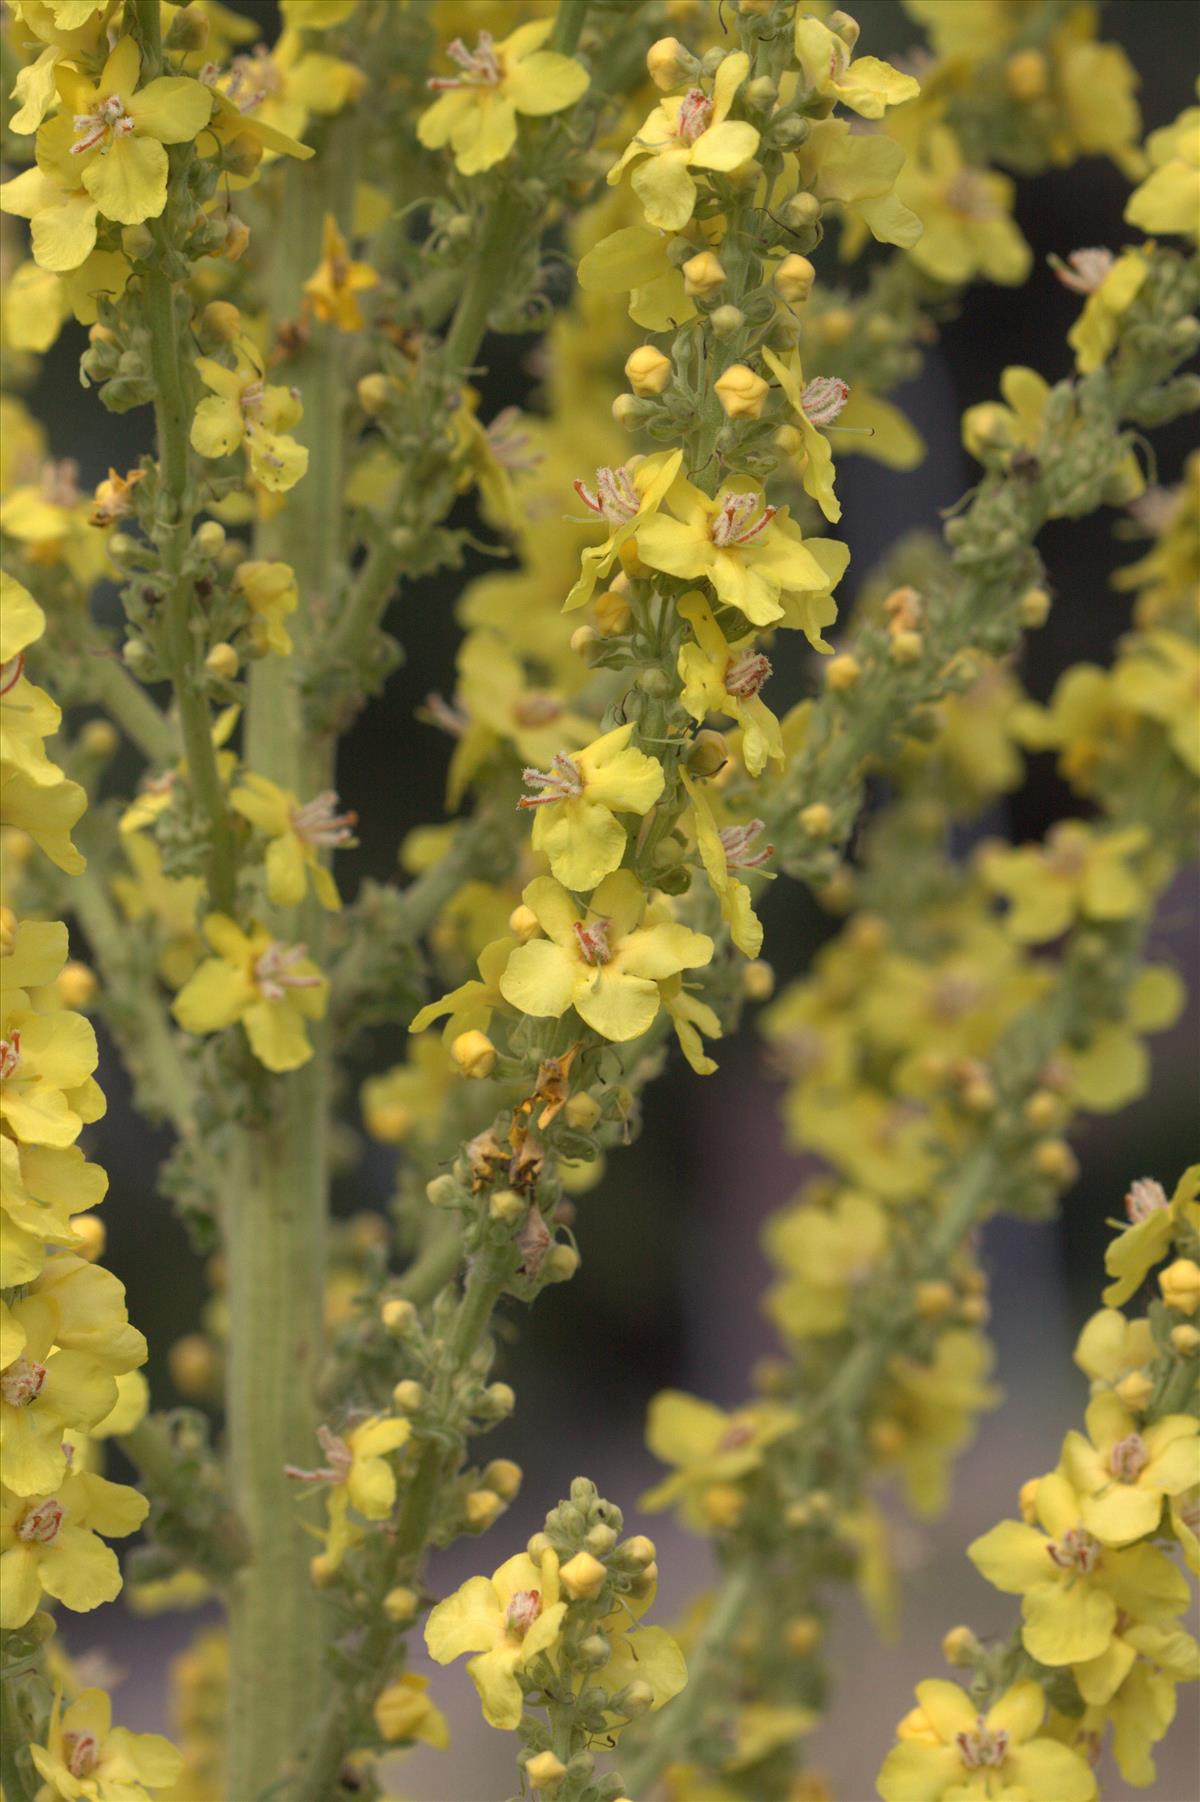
(1122, 1473)
(754, 556)
(626, 499)
(690, 1017)
(247, 411)
(1169, 198)
(866, 85)
(332, 288)
(404, 1711)
(1154, 1221)
(470, 1006)
(52, 196)
(360, 1476)
(120, 134)
(41, 1186)
(720, 677)
(858, 170)
(271, 988)
(935, 1403)
(575, 822)
(508, 1619)
(606, 963)
(1078, 1595)
(995, 434)
(297, 834)
(50, 1545)
(949, 1750)
(270, 94)
(1095, 331)
(46, 1064)
(85, 1756)
(816, 403)
(316, 15)
(633, 260)
(1158, 676)
(476, 112)
(497, 702)
(169, 903)
(407, 1100)
(722, 851)
(1111, 1348)
(34, 794)
(1078, 873)
(966, 213)
(682, 134)
(708, 1448)
(824, 1254)
(271, 594)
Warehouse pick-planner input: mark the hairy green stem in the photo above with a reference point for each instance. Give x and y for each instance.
(125, 701)
(14, 1738)
(568, 25)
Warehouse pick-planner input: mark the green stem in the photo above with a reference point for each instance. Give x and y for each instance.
(15, 1737)
(433, 1267)
(568, 26)
(193, 1519)
(109, 685)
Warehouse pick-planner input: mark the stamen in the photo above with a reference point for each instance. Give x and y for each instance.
(274, 973)
(823, 398)
(10, 1054)
(336, 1470)
(523, 1610)
(317, 822)
(81, 1752)
(1145, 1197)
(1087, 270)
(745, 677)
(592, 937)
(22, 1382)
(1076, 1551)
(616, 498)
(510, 446)
(60, 483)
(695, 114)
(736, 842)
(39, 1525)
(104, 125)
(11, 672)
(740, 518)
(562, 782)
(480, 67)
(1129, 1458)
(983, 1746)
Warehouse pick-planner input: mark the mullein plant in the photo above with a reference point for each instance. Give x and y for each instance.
(294, 253)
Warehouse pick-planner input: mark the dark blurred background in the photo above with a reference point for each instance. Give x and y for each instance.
(672, 1270)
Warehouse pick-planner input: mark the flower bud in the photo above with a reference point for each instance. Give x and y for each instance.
(709, 753)
(646, 1582)
(758, 980)
(100, 739)
(209, 538)
(223, 662)
(1134, 1391)
(760, 94)
(703, 275)
(400, 1605)
(842, 673)
(582, 640)
(91, 1236)
(545, 1771)
(562, 1261)
(507, 1207)
(1185, 1340)
(582, 1111)
(723, 1504)
(399, 1710)
(801, 214)
(504, 1477)
(192, 1363)
(817, 819)
(374, 391)
(323, 1570)
(933, 1298)
(635, 1699)
(975, 1310)
(1026, 75)
(906, 647)
(1033, 608)
(1054, 1158)
(669, 64)
(1179, 1285)
(220, 321)
(482, 1507)
(408, 1397)
(647, 371)
(441, 1191)
(960, 1647)
(626, 411)
(399, 1317)
(537, 1547)
(595, 1650)
(742, 394)
(501, 1399)
(846, 27)
(135, 654)
(794, 279)
(582, 1577)
(601, 1540)
(612, 612)
(474, 1053)
(76, 984)
(638, 1553)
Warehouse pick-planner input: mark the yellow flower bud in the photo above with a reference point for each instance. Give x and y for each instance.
(647, 370)
(709, 753)
(885, 1437)
(408, 1397)
(209, 539)
(1134, 1391)
(562, 1261)
(374, 391)
(440, 1191)
(637, 1698)
(639, 1551)
(723, 1504)
(727, 320)
(906, 647)
(817, 819)
(545, 1771)
(221, 320)
(223, 662)
(582, 640)
(1027, 1500)
(794, 279)
(600, 1541)
(399, 1317)
(482, 1506)
(323, 1570)
(803, 1634)
(933, 1298)
(1055, 1159)
(612, 612)
(758, 980)
(1184, 1338)
(703, 275)
(742, 393)
(959, 1647)
(1033, 608)
(582, 1111)
(625, 411)
(400, 1605)
(582, 1577)
(1043, 1109)
(646, 1582)
(1179, 1285)
(76, 984)
(474, 1053)
(507, 1206)
(399, 1709)
(537, 1546)
(669, 64)
(502, 1476)
(523, 923)
(789, 441)
(1026, 75)
(841, 673)
(976, 1310)
(92, 1235)
(502, 1397)
(99, 738)
(192, 1363)
(835, 326)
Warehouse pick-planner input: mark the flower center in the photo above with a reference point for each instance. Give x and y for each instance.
(954, 996)
(319, 823)
(736, 1436)
(81, 1752)
(745, 677)
(338, 1461)
(480, 67)
(695, 112)
(11, 672)
(512, 447)
(1129, 1458)
(615, 497)
(537, 709)
(59, 484)
(737, 843)
(563, 781)
(10, 1055)
(739, 518)
(251, 79)
(274, 972)
(523, 1610)
(1075, 1551)
(592, 937)
(102, 127)
(41, 1522)
(22, 1382)
(984, 1745)
(1145, 1197)
(1088, 269)
(823, 398)
(966, 193)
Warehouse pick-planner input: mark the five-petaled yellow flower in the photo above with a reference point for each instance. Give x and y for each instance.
(245, 410)
(578, 798)
(720, 677)
(476, 111)
(86, 1757)
(335, 284)
(949, 1752)
(1123, 1472)
(688, 132)
(271, 988)
(507, 1620)
(710, 1449)
(297, 834)
(606, 962)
